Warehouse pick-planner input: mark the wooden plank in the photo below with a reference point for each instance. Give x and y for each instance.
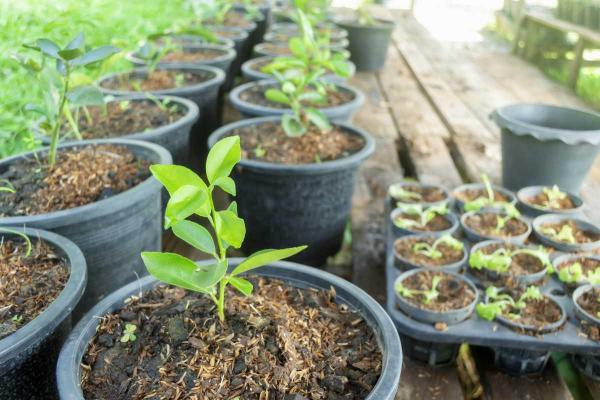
(561, 25)
(420, 382)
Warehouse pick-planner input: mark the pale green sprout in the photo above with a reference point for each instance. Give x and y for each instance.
(574, 273)
(432, 251)
(129, 333)
(497, 302)
(424, 215)
(565, 235)
(554, 195)
(488, 201)
(398, 192)
(429, 295)
(501, 259)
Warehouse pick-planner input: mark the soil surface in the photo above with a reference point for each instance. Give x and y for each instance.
(404, 249)
(588, 265)
(271, 144)
(280, 343)
(537, 314)
(282, 38)
(522, 264)
(580, 235)
(80, 176)
(234, 19)
(590, 302)
(278, 49)
(541, 201)
(336, 96)
(437, 223)
(194, 55)
(484, 223)
(258, 65)
(473, 194)
(428, 194)
(124, 118)
(454, 294)
(28, 285)
(160, 79)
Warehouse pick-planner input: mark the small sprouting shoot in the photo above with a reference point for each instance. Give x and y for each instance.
(129, 333)
(428, 295)
(498, 302)
(432, 250)
(500, 259)
(423, 215)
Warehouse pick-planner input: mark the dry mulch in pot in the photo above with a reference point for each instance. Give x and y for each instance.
(80, 176)
(280, 343)
(268, 142)
(484, 223)
(404, 248)
(473, 194)
(28, 285)
(160, 79)
(590, 303)
(125, 118)
(580, 235)
(454, 293)
(193, 55)
(541, 201)
(256, 95)
(428, 194)
(436, 224)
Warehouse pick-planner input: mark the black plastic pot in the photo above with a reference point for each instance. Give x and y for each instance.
(291, 29)
(204, 94)
(241, 43)
(406, 265)
(275, 37)
(533, 211)
(474, 236)
(111, 232)
(28, 356)
(174, 137)
(519, 327)
(69, 370)
(589, 365)
(431, 353)
(557, 218)
(342, 113)
(287, 205)
(262, 21)
(251, 74)
(547, 145)
(460, 205)
(399, 232)
(520, 362)
(193, 40)
(450, 317)
(368, 43)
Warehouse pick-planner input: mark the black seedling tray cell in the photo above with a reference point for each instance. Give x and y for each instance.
(478, 331)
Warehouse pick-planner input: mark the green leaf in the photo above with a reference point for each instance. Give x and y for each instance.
(233, 207)
(175, 176)
(173, 269)
(312, 97)
(95, 55)
(230, 228)
(226, 183)
(318, 118)
(488, 311)
(222, 158)
(48, 47)
(69, 54)
(297, 46)
(265, 257)
(292, 125)
(86, 96)
(244, 286)
(209, 275)
(277, 96)
(195, 235)
(183, 203)
(288, 87)
(78, 42)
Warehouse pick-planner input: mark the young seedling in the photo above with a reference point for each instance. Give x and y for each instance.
(488, 200)
(191, 196)
(23, 236)
(17, 319)
(153, 53)
(63, 94)
(364, 12)
(7, 186)
(574, 274)
(431, 250)
(398, 192)
(424, 216)
(510, 212)
(498, 302)
(500, 260)
(129, 333)
(554, 197)
(429, 295)
(565, 235)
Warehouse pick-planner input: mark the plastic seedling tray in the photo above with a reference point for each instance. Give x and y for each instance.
(478, 331)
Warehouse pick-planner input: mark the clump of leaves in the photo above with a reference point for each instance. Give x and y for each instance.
(129, 333)
(498, 302)
(554, 197)
(363, 12)
(63, 93)
(428, 295)
(574, 274)
(191, 196)
(432, 250)
(424, 215)
(510, 212)
(500, 260)
(487, 201)
(152, 53)
(564, 235)
(398, 192)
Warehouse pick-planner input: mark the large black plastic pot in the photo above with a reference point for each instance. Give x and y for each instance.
(341, 113)
(69, 369)
(174, 137)
(288, 205)
(547, 145)
(368, 43)
(204, 94)
(241, 43)
(111, 232)
(261, 20)
(28, 356)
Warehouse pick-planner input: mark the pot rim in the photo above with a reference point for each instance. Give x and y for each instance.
(228, 55)
(510, 239)
(538, 189)
(443, 267)
(380, 323)
(383, 24)
(557, 218)
(242, 33)
(199, 40)
(450, 216)
(36, 330)
(530, 328)
(579, 311)
(566, 257)
(97, 208)
(489, 242)
(324, 167)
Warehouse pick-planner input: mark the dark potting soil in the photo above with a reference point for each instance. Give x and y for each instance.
(454, 294)
(279, 343)
(581, 236)
(28, 285)
(126, 117)
(588, 265)
(537, 313)
(233, 19)
(404, 248)
(161, 79)
(473, 194)
(541, 201)
(268, 142)
(200, 54)
(590, 302)
(428, 194)
(275, 49)
(522, 264)
(336, 96)
(80, 176)
(484, 223)
(436, 224)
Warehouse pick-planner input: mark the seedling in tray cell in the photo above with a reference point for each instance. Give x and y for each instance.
(554, 198)
(574, 273)
(563, 235)
(510, 212)
(500, 303)
(501, 259)
(427, 295)
(432, 251)
(399, 192)
(487, 201)
(417, 217)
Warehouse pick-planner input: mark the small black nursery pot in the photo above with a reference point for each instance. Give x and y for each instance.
(441, 225)
(529, 206)
(479, 226)
(553, 230)
(368, 44)
(407, 258)
(462, 194)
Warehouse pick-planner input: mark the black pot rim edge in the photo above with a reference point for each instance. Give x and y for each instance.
(228, 55)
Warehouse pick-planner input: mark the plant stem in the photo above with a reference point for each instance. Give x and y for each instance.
(57, 124)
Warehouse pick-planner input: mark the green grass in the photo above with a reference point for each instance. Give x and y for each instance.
(119, 22)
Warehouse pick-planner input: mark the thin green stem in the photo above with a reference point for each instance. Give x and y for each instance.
(58, 122)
